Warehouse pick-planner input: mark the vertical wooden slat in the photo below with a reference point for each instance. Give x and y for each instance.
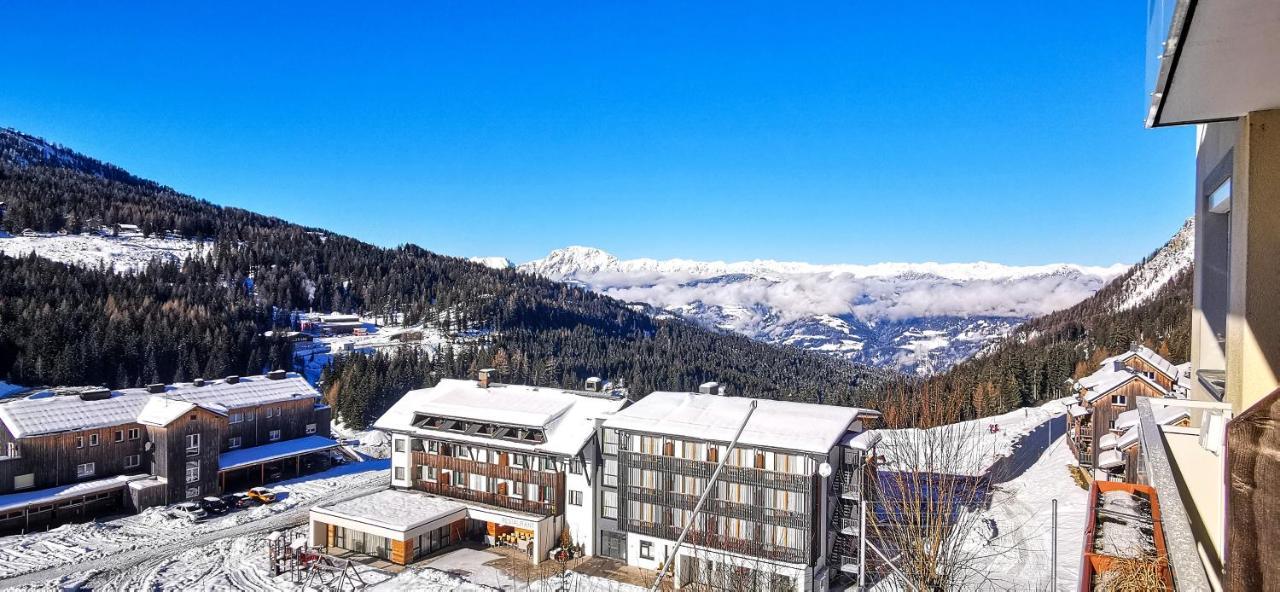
(1253, 498)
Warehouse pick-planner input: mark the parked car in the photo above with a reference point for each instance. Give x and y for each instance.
(214, 506)
(262, 495)
(236, 500)
(189, 510)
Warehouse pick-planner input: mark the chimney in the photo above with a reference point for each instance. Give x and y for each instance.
(593, 384)
(95, 394)
(1134, 345)
(198, 382)
(1120, 367)
(233, 379)
(711, 388)
(155, 389)
(485, 376)
(276, 375)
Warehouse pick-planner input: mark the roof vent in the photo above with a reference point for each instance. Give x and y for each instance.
(1120, 366)
(711, 388)
(485, 376)
(95, 394)
(156, 388)
(198, 382)
(277, 375)
(233, 379)
(594, 383)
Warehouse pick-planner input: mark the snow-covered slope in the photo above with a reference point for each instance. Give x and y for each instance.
(123, 254)
(1173, 258)
(494, 262)
(921, 317)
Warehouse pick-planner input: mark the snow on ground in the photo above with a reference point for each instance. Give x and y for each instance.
(371, 443)
(123, 254)
(316, 354)
(986, 445)
(1027, 459)
(153, 529)
(466, 569)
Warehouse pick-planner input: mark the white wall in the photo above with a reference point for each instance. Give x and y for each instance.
(401, 459)
(581, 519)
(661, 548)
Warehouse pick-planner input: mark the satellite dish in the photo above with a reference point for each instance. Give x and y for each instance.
(147, 447)
(824, 469)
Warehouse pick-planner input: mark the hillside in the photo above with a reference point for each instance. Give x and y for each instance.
(919, 318)
(204, 313)
(1150, 303)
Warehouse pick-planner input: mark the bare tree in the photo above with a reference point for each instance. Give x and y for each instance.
(926, 527)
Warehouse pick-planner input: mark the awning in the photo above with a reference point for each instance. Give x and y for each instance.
(244, 457)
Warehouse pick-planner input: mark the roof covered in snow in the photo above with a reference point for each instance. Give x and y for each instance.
(1147, 355)
(267, 452)
(15, 501)
(1098, 384)
(1078, 410)
(1107, 441)
(160, 411)
(395, 509)
(784, 425)
(567, 417)
(38, 415)
(1110, 459)
(1129, 438)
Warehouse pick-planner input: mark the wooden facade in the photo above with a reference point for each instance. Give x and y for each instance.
(254, 425)
(1253, 509)
(1105, 410)
(447, 466)
(174, 457)
(52, 460)
(1142, 366)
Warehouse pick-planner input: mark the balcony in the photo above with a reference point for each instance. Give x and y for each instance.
(718, 507)
(697, 468)
(716, 541)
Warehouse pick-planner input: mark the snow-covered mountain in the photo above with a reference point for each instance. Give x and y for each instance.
(1166, 263)
(918, 317)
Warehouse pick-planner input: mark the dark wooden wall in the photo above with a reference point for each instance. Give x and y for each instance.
(292, 421)
(1141, 365)
(171, 458)
(53, 458)
(1253, 498)
(1104, 411)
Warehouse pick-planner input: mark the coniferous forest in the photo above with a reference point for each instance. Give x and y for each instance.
(65, 325)
(205, 317)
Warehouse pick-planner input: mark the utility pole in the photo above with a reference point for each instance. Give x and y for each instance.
(1053, 546)
(711, 483)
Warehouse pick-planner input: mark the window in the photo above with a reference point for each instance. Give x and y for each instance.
(236, 418)
(14, 452)
(548, 494)
(1220, 198)
(193, 492)
(24, 481)
(433, 447)
(399, 444)
(575, 498)
(272, 412)
(311, 428)
(609, 504)
(611, 472)
(79, 441)
(459, 479)
(430, 473)
(1113, 424)
(575, 466)
(611, 441)
(93, 439)
(399, 473)
(85, 470)
(193, 471)
(273, 435)
(132, 461)
(646, 550)
(233, 442)
(248, 416)
(119, 436)
(193, 444)
(133, 433)
(1121, 400)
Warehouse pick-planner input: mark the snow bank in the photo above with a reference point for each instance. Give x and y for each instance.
(122, 254)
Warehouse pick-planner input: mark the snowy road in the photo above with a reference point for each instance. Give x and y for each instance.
(140, 564)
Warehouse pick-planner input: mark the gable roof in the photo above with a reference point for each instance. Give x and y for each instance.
(1102, 382)
(1154, 359)
(50, 414)
(784, 425)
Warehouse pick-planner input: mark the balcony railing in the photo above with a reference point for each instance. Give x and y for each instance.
(718, 507)
(731, 474)
(488, 498)
(508, 472)
(717, 541)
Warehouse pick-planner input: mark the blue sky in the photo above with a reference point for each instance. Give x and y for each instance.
(842, 132)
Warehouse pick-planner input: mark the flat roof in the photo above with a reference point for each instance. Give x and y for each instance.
(567, 417)
(244, 457)
(396, 509)
(784, 425)
(14, 501)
